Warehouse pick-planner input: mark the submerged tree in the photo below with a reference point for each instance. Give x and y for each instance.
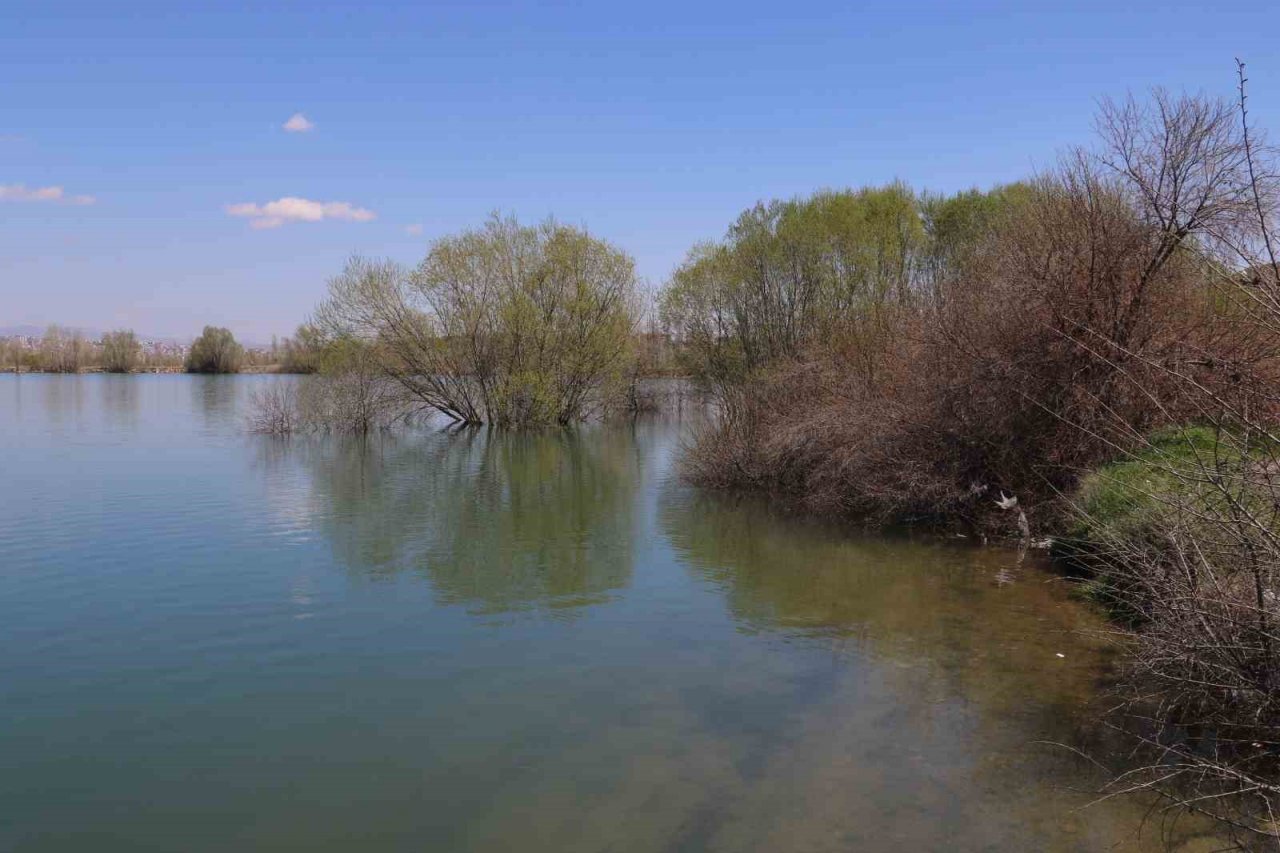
(215, 351)
(507, 324)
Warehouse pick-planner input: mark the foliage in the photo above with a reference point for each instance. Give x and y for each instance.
(792, 273)
(1033, 330)
(15, 358)
(63, 350)
(303, 352)
(215, 351)
(508, 324)
(120, 351)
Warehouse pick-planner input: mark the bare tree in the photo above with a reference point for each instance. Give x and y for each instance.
(63, 350)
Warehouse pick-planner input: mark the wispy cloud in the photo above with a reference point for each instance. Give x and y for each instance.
(298, 123)
(20, 192)
(273, 214)
(414, 230)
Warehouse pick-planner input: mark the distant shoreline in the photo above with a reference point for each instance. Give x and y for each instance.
(255, 369)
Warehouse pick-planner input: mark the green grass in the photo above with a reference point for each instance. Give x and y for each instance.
(1126, 496)
(1127, 504)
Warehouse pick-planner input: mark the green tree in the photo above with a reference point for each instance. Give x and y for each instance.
(303, 352)
(215, 351)
(957, 225)
(790, 273)
(506, 324)
(120, 351)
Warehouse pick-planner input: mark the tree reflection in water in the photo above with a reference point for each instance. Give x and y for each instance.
(497, 521)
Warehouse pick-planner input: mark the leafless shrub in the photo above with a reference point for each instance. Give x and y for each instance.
(1193, 567)
(63, 350)
(352, 402)
(351, 395)
(274, 410)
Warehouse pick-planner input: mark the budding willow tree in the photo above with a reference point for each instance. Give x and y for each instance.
(215, 351)
(505, 324)
(791, 274)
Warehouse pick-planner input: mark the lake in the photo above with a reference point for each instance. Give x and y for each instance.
(469, 640)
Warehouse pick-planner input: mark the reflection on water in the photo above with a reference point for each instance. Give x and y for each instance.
(496, 521)
(215, 399)
(120, 401)
(486, 641)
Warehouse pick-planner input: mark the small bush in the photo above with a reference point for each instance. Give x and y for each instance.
(351, 394)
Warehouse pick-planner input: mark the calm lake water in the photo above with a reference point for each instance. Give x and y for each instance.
(213, 641)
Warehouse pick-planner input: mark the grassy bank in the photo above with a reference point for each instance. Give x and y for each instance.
(1180, 541)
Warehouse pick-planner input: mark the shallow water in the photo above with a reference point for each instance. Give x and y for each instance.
(477, 641)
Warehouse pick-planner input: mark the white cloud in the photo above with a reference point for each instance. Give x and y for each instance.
(298, 123)
(273, 214)
(414, 230)
(19, 192)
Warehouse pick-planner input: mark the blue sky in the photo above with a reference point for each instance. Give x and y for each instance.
(652, 124)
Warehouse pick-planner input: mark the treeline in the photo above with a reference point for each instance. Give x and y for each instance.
(62, 350)
(904, 356)
(69, 351)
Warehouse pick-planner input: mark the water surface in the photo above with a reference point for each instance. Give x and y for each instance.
(446, 640)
